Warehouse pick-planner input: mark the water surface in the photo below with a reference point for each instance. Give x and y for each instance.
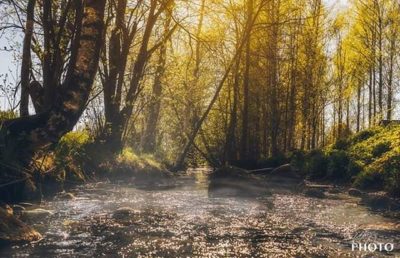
(183, 221)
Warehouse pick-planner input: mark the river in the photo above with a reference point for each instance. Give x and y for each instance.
(184, 221)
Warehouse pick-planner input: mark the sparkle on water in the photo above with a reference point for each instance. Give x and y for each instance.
(183, 221)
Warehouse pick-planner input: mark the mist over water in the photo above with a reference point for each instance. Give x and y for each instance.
(184, 221)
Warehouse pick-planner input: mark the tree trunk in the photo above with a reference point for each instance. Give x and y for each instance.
(137, 71)
(370, 85)
(380, 68)
(347, 115)
(149, 139)
(26, 59)
(20, 138)
(274, 80)
(292, 104)
(246, 82)
(358, 106)
(390, 77)
(230, 141)
(118, 49)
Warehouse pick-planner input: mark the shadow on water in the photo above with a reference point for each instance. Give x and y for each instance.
(120, 220)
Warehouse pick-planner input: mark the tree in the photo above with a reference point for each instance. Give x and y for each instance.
(21, 137)
(149, 139)
(246, 83)
(26, 59)
(119, 108)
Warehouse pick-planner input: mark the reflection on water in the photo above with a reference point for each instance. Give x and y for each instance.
(184, 221)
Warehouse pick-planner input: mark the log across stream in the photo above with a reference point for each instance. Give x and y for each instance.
(184, 220)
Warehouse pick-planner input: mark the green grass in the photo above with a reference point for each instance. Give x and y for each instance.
(70, 156)
(141, 162)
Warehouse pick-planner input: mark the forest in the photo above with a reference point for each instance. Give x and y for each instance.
(144, 91)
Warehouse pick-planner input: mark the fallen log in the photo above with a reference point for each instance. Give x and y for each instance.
(260, 171)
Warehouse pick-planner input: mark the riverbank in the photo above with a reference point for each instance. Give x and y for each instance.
(75, 160)
(368, 160)
(228, 180)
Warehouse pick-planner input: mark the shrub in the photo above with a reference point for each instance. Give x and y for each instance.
(70, 154)
(380, 141)
(369, 179)
(392, 181)
(298, 160)
(362, 152)
(380, 149)
(370, 159)
(275, 161)
(389, 166)
(5, 115)
(316, 166)
(341, 144)
(354, 168)
(129, 158)
(364, 135)
(338, 165)
(72, 144)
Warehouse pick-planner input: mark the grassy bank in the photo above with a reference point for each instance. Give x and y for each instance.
(76, 159)
(369, 160)
(79, 158)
